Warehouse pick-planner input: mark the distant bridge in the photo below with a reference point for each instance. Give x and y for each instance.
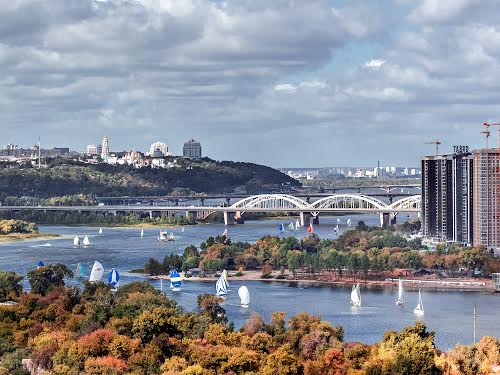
(266, 203)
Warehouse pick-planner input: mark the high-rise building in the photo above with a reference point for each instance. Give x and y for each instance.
(105, 147)
(160, 146)
(486, 185)
(447, 197)
(192, 150)
(92, 150)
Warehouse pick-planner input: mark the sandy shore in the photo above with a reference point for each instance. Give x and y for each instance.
(408, 282)
(15, 237)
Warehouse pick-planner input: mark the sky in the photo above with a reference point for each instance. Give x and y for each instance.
(287, 83)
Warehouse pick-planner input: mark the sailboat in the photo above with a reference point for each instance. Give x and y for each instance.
(76, 241)
(338, 221)
(336, 229)
(221, 285)
(310, 228)
(182, 229)
(100, 230)
(142, 232)
(224, 234)
(244, 296)
(419, 310)
(114, 279)
(400, 293)
(349, 223)
(175, 281)
(86, 241)
(40, 265)
(97, 272)
(80, 270)
(282, 227)
(290, 226)
(297, 224)
(355, 296)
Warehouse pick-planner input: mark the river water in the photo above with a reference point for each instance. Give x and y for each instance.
(449, 313)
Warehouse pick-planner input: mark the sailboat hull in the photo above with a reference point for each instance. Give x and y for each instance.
(399, 303)
(418, 312)
(175, 289)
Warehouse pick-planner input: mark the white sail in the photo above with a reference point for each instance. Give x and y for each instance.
(221, 286)
(244, 296)
(356, 295)
(76, 241)
(349, 222)
(100, 230)
(182, 229)
(338, 221)
(297, 224)
(419, 310)
(86, 241)
(400, 293)
(142, 232)
(97, 272)
(224, 234)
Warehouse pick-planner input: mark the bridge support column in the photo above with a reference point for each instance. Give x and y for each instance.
(315, 219)
(150, 214)
(306, 218)
(384, 219)
(226, 218)
(302, 219)
(393, 218)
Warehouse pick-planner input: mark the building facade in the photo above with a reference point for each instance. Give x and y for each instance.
(447, 197)
(92, 150)
(486, 185)
(192, 150)
(105, 148)
(160, 146)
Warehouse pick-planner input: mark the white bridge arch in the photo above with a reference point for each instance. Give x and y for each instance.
(408, 203)
(348, 201)
(270, 201)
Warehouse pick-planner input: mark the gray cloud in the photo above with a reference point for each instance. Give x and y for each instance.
(251, 79)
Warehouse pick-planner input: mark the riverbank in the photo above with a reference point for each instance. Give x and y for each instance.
(15, 237)
(480, 285)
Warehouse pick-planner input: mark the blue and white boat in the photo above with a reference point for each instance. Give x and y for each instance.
(221, 286)
(39, 265)
(114, 279)
(175, 281)
(80, 271)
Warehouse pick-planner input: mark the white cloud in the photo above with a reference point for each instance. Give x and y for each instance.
(374, 64)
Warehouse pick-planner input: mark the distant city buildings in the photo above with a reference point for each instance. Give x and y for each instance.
(192, 150)
(92, 150)
(351, 172)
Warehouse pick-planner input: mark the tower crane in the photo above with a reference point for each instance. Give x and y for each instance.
(437, 142)
(486, 132)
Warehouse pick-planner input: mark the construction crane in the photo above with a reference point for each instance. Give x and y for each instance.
(486, 132)
(437, 142)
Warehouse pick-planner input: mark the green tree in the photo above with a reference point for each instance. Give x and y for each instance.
(45, 278)
(10, 285)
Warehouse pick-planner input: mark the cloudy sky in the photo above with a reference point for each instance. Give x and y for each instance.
(285, 83)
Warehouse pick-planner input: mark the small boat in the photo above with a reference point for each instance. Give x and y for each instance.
(297, 224)
(356, 296)
(419, 310)
(86, 241)
(182, 229)
(100, 230)
(349, 222)
(336, 229)
(114, 279)
(282, 228)
(175, 281)
(338, 221)
(310, 228)
(97, 272)
(399, 302)
(221, 286)
(76, 241)
(80, 271)
(290, 226)
(244, 296)
(224, 234)
(142, 232)
(164, 236)
(39, 265)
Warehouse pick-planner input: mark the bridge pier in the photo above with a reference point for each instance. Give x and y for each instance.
(302, 219)
(150, 214)
(315, 219)
(384, 219)
(239, 218)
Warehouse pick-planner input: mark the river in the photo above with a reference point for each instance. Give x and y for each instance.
(449, 313)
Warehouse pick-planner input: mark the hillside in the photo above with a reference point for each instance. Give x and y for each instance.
(63, 178)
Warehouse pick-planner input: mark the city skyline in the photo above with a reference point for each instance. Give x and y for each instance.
(382, 78)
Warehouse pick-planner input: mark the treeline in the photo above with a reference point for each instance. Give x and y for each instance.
(363, 251)
(76, 218)
(70, 178)
(17, 226)
(138, 330)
